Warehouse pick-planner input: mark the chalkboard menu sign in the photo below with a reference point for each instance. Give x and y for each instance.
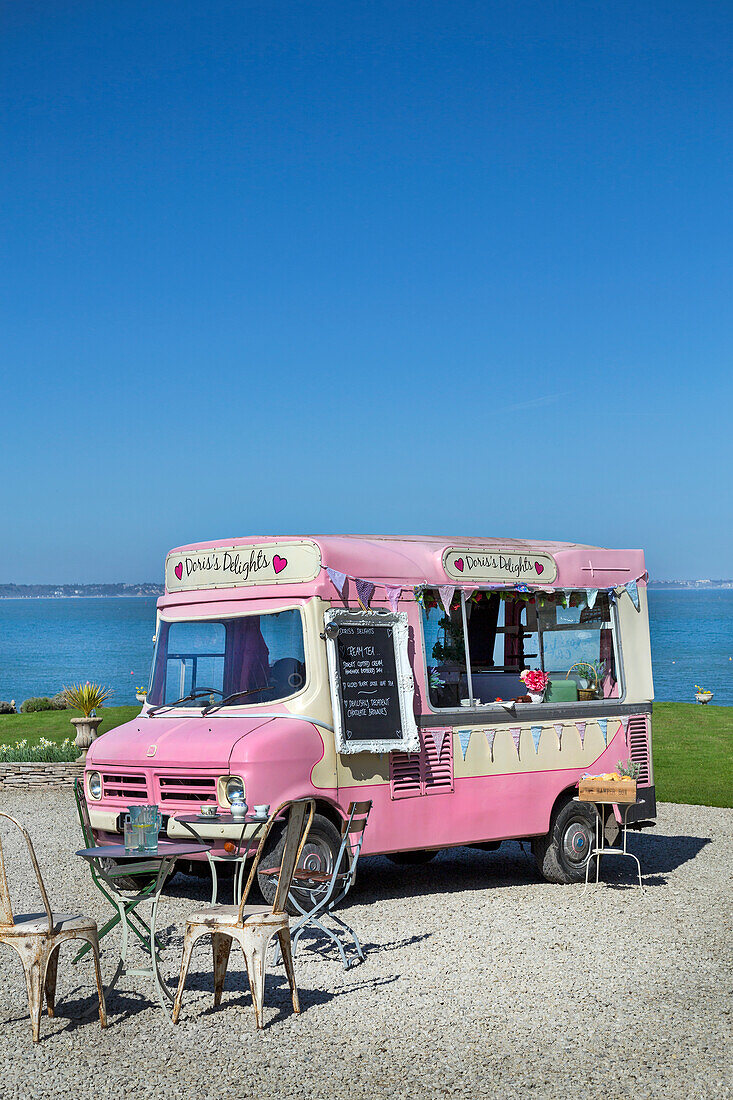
(371, 682)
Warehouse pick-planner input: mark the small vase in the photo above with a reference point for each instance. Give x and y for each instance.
(86, 732)
(536, 696)
(141, 696)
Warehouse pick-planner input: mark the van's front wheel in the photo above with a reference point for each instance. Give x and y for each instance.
(320, 853)
(563, 855)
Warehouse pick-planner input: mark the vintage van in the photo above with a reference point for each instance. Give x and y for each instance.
(366, 667)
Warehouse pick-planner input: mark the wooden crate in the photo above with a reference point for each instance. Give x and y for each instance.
(606, 790)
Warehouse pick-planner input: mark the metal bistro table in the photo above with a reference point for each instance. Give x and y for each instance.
(159, 863)
(243, 847)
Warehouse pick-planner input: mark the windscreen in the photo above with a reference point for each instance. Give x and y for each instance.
(249, 659)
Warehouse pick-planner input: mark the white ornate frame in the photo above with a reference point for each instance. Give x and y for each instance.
(410, 740)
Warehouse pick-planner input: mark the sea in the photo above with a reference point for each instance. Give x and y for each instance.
(47, 643)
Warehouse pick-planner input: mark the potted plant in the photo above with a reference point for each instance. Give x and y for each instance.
(536, 683)
(702, 695)
(589, 675)
(86, 698)
(141, 694)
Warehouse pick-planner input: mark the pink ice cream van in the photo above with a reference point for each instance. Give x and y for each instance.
(347, 668)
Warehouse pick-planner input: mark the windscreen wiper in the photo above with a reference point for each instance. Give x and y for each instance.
(192, 695)
(234, 695)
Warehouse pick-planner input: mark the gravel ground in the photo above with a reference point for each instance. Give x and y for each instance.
(480, 979)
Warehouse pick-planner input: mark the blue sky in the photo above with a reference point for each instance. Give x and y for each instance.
(375, 267)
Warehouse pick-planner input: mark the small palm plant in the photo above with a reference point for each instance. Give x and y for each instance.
(85, 697)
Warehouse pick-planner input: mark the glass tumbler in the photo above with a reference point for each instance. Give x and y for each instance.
(133, 840)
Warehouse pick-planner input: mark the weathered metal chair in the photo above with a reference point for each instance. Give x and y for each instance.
(315, 894)
(252, 926)
(36, 938)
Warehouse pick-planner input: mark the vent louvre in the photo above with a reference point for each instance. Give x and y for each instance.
(426, 772)
(132, 788)
(639, 747)
(187, 788)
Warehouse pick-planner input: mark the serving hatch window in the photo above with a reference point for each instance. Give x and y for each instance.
(248, 659)
(498, 634)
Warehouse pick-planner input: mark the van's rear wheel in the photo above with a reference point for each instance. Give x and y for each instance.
(320, 853)
(563, 855)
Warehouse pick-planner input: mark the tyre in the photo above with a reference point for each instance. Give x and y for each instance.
(562, 856)
(403, 859)
(320, 853)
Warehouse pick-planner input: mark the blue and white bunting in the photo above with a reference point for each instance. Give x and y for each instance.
(464, 736)
(516, 733)
(633, 590)
(490, 737)
(536, 734)
(591, 594)
(558, 730)
(603, 723)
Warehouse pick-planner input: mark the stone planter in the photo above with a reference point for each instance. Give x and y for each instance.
(703, 696)
(86, 732)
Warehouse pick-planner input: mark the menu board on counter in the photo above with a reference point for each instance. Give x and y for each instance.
(372, 687)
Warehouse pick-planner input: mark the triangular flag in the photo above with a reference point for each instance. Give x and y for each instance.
(393, 595)
(516, 737)
(625, 727)
(490, 735)
(612, 599)
(338, 580)
(446, 595)
(633, 590)
(558, 730)
(591, 594)
(439, 737)
(580, 726)
(603, 723)
(464, 736)
(364, 592)
(536, 734)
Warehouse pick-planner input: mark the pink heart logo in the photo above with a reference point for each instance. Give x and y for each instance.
(459, 564)
(279, 563)
(179, 570)
(539, 567)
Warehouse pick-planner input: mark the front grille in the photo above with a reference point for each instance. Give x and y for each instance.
(187, 788)
(133, 788)
(639, 747)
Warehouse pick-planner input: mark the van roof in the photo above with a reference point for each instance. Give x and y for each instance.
(413, 560)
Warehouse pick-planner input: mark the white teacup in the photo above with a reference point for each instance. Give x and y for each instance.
(262, 811)
(209, 811)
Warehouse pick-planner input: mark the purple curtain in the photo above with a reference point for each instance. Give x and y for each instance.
(247, 660)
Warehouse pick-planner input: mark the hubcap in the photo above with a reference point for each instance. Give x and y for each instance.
(316, 856)
(577, 842)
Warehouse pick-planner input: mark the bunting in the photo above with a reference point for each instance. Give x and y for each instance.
(338, 580)
(633, 590)
(625, 728)
(464, 736)
(446, 595)
(558, 730)
(591, 595)
(516, 737)
(439, 737)
(490, 736)
(603, 723)
(536, 734)
(580, 726)
(364, 592)
(393, 595)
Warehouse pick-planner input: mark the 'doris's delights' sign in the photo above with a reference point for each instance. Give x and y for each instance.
(499, 565)
(233, 566)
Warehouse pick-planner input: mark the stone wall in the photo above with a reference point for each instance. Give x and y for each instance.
(30, 774)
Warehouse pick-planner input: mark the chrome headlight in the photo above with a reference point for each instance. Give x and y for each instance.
(234, 788)
(94, 785)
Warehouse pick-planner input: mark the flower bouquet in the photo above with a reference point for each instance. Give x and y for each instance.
(536, 683)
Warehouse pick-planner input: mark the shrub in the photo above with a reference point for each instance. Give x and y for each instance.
(6, 708)
(36, 703)
(86, 697)
(59, 702)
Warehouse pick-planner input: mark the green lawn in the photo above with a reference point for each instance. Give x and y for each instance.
(693, 753)
(55, 725)
(693, 746)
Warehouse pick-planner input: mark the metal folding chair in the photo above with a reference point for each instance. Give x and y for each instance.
(315, 894)
(104, 878)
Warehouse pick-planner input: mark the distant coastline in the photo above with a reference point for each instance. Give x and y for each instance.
(97, 591)
(76, 591)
